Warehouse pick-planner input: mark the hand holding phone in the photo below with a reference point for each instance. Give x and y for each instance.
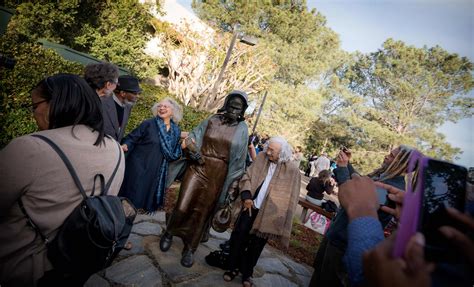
(346, 151)
(342, 159)
(392, 203)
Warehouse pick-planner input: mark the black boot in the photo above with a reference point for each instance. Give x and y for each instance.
(187, 259)
(165, 241)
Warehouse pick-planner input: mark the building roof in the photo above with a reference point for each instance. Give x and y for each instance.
(5, 15)
(75, 56)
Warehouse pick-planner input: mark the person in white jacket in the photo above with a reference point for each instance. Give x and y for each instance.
(322, 163)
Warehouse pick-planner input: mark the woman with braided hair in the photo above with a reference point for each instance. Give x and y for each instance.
(329, 268)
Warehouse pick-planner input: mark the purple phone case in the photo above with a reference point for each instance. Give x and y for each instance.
(410, 214)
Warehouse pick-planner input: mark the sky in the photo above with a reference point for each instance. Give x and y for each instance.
(363, 25)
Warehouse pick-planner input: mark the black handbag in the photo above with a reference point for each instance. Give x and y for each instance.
(219, 259)
(96, 230)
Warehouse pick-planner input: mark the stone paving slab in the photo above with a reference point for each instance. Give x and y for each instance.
(267, 252)
(296, 267)
(273, 280)
(213, 243)
(303, 280)
(272, 265)
(157, 217)
(137, 246)
(146, 265)
(96, 281)
(170, 263)
(146, 228)
(136, 270)
(214, 278)
(223, 236)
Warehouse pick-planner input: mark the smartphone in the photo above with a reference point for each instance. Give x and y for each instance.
(382, 195)
(443, 185)
(432, 186)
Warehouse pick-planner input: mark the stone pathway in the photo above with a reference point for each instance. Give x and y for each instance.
(145, 265)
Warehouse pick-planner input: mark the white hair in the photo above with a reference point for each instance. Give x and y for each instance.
(286, 149)
(177, 114)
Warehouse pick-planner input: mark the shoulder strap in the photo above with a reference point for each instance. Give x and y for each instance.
(66, 161)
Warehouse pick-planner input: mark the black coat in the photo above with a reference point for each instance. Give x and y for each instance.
(142, 165)
(111, 124)
(316, 188)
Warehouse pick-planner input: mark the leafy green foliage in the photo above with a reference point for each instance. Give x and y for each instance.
(409, 92)
(397, 95)
(117, 31)
(44, 19)
(192, 118)
(299, 42)
(289, 111)
(33, 63)
(122, 31)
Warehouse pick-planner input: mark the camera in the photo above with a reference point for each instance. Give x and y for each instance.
(6, 62)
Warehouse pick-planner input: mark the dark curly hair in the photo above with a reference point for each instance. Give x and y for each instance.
(97, 75)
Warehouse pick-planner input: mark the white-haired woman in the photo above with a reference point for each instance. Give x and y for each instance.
(150, 147)
(269, 191)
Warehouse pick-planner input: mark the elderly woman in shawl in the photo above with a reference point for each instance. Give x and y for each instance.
(150, 147)
(270, 190)
(219, 149)
(329, 270)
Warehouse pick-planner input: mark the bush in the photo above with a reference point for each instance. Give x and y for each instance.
(117, 31)
(192, 118)
(33, 63)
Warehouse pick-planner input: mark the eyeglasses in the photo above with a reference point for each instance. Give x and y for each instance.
(114, 82)
(33, 106)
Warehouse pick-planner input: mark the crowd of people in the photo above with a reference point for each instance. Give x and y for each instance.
(87, 117)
